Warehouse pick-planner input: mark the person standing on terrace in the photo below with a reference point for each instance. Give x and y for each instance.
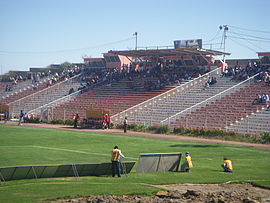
(76, 119)
(125, 124)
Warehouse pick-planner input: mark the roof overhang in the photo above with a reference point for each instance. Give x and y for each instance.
(93, 59)
(263, 53)
(169, 52)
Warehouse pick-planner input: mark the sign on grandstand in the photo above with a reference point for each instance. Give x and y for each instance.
(4, 108)
(162, 162)
(96, 113)
(188, 43)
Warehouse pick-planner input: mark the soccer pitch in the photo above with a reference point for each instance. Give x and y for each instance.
(36, 146)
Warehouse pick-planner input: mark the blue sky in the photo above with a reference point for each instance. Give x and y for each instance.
(36, 33)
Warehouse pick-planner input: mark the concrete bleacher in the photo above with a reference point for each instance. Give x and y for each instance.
(43, 97)
(22, 89)
(227, 110)
(179, 101)
(253, 124)
(22, 92)
(115, 97)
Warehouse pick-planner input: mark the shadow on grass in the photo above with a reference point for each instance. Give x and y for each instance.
(217, 171)
(71, 127)
(193, 145)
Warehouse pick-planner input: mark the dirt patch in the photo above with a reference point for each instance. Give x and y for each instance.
(208, 193)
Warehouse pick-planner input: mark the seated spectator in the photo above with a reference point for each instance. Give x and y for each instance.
(34, 87)
(187, 77)
(224, 73)
(212, 81)
(257, 100)
(206, 85)
(10, 88)
(54, 80)
(81, 87)
(7, 88)
(49, 83)
(258, 78)
(71, 91)
(265, 98)
(267, 80)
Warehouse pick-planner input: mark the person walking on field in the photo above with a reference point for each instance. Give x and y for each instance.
(125, 124)
(227, 165)
(116, 167)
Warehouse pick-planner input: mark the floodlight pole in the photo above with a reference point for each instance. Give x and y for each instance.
(136, 40)
(136, 44)
(225, 29)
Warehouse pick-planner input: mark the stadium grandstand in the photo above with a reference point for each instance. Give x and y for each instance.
(185, 86)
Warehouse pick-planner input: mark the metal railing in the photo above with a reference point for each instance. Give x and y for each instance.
(117, 118)
(25, 87)
(47, 90)
(249, 123)
(191, 109)
(45, 108)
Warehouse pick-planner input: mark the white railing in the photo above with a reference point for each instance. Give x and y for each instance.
(117, 118)
(24, 87)
(252, 118)
(48, 90)
(191, 109)
(45, 108)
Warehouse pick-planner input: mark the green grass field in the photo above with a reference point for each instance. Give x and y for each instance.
(35, 146)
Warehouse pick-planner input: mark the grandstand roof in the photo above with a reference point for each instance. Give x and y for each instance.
(168, 52)
(263, 53)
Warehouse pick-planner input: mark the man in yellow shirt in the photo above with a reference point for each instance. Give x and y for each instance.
(116, 155)
(187, 165)
(227, 165)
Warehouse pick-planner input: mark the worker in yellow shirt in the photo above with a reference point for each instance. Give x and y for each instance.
(116, 164)
(227, 165)
(187, 165)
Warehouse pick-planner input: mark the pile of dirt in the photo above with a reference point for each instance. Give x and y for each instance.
(212, 193)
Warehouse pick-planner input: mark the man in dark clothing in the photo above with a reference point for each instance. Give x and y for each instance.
(21, 117)
(125, 124)
(6, 116)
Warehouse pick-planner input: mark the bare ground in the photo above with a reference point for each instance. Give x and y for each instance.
(208, 193)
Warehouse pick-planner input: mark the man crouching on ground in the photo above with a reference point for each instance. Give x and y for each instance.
(227, 165)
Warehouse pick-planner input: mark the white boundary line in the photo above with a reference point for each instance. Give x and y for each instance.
(76, 151)
(250, 150)
(61, 149)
